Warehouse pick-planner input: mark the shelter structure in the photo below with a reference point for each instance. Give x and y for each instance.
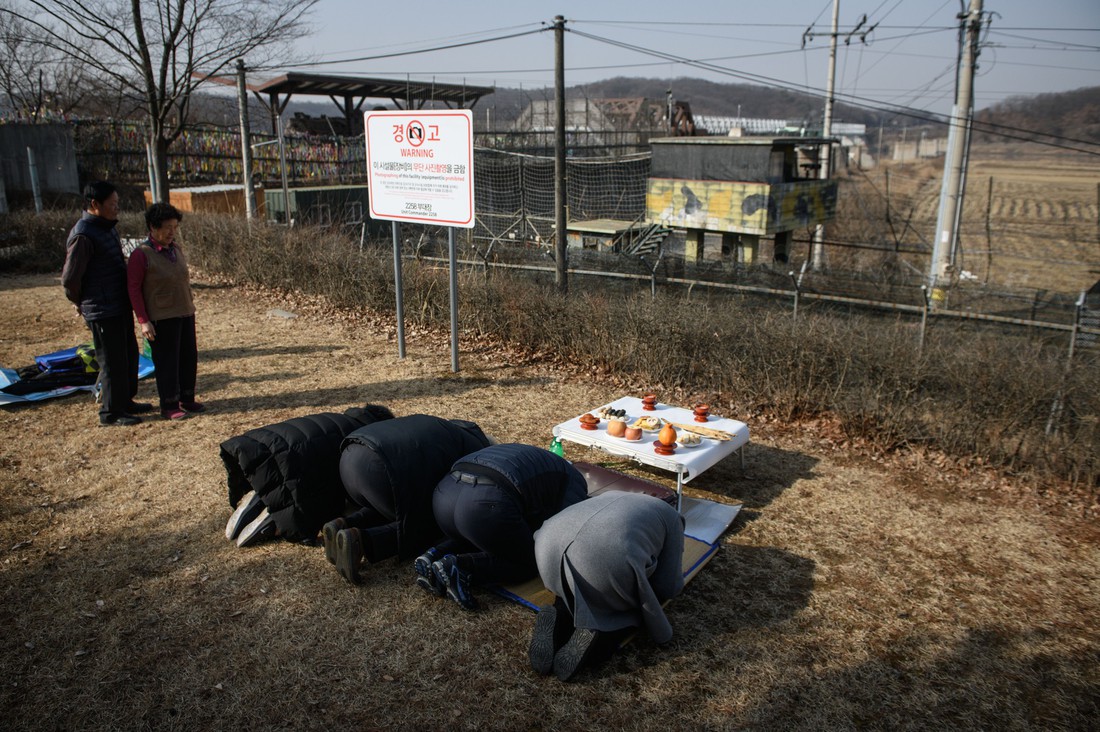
(220, 198)
(745, 189)
(349, 93)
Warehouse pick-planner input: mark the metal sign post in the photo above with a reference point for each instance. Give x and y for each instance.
(420, 169)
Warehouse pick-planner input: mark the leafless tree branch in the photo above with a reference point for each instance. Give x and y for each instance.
(160, 51)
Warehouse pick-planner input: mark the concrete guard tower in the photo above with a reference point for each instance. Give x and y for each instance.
(752, 191)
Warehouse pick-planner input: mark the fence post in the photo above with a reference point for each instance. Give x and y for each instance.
(923, 319)
(1057, 406)
(35, 187)
(151, 170)
(798, 285)
(796, 292)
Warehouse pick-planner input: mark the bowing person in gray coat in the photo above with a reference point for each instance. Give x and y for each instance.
(611, 560)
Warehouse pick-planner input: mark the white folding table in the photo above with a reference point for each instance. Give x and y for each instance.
(686, 462)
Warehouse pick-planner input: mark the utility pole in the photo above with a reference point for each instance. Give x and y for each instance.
(560, 218)
(824, 158)
(246, 144)
(954, 169)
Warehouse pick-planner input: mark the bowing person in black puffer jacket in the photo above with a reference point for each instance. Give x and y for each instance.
(285, 478)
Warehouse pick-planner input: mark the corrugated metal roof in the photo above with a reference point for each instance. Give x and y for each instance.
(396, 90)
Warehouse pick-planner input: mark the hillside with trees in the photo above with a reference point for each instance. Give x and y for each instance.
(1073, 114)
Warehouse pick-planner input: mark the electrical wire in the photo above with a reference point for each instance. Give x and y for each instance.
(1062, 44)
(850, 99)
(414, 52)
(1002, 130)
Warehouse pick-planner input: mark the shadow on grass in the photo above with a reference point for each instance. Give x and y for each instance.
(987, 678)
(340, 398)
(743, 589)
(767, 473)
(253, 351)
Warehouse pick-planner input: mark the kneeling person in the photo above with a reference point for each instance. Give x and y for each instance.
(389, 470)
(611, 561)
(489, 506)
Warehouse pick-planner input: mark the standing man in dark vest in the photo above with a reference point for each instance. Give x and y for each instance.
(94, 278)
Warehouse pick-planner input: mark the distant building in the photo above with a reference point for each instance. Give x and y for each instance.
(744, 189)
(593, 115)
(611, 123)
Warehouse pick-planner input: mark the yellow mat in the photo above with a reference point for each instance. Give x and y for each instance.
(534, 594)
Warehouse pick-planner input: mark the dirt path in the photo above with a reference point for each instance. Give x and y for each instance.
(849, 593)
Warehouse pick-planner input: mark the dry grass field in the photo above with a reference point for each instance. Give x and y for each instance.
(1043, 214)
(853, 591)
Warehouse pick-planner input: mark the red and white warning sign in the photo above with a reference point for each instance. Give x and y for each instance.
(420, 166)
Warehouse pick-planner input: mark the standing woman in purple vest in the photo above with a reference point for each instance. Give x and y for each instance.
(94, 279)
(160, 291)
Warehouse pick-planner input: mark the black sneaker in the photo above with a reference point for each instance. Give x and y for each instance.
(349, 554)
(456, 582)
(577, 650)
(118, 420)
(425, 577)
(328, 536)
(553, 626)
(259, 529)
(248, 509)
(139, 407)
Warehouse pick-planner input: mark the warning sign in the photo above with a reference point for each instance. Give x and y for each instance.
(420, 166)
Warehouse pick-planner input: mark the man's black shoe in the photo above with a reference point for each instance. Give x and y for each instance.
(349, 554)
(139, 408)
(328, 537)
(118, 420)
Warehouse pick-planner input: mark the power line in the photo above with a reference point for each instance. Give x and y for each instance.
(409, 53)
(852, 100)
(1063, 44)
(709, 24)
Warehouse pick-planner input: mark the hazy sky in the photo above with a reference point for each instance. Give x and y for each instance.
(908, 58)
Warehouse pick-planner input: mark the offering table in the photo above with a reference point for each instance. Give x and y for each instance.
(686, 462)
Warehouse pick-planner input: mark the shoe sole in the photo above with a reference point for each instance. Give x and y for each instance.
(574, 653)
(328, 536)
(259, 529)
(443, 579)
(541, 650)
(349, 552)
(247, 511)
(426, 579)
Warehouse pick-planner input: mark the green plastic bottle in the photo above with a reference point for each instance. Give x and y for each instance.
(557, 448)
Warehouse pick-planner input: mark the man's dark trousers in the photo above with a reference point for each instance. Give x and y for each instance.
(116, 352)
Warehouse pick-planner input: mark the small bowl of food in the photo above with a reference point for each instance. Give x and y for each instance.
(589, 421)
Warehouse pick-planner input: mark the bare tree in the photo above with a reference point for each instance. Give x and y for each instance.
(158, 52)
(35, 81)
